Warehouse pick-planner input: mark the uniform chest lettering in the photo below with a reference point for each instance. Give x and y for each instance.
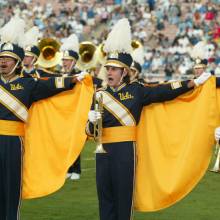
(125, 96)
(16, 86)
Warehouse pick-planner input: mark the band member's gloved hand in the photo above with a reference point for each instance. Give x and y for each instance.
(217, 134)
(81, 76)
(94, 116)
(202, 78)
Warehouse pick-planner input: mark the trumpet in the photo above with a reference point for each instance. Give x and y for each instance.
(217, 161)
(98, 107)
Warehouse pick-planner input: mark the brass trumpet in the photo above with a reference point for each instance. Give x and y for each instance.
(98, 107)
(217, 161)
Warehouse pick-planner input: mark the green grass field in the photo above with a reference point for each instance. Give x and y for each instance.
(77, 200)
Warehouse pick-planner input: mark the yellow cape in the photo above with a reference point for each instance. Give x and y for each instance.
(54, 137)
(173, 146)
(176, 149)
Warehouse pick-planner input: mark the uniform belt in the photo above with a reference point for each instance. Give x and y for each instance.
(12, 128)
(119, 134)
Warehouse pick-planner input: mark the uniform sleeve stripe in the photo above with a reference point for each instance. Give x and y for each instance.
(59, 82)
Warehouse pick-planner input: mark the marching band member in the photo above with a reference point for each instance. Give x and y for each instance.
(16, 95)
(123, 102)
(32, 53)
(136, 66)
(70, 50)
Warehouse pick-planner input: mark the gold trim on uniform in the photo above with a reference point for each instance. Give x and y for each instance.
(111, 134)
(133, 193)
(12, 128)
(13, 104)
(20, 197)
(176, 85)
(119, 88)
(11, 80)
(117, 109)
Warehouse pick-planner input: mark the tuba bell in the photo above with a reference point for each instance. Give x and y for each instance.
(101, 54)
(50, 55)
(87, 57)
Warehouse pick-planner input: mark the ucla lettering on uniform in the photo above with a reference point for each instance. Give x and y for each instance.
(125, 96)
(16, 86)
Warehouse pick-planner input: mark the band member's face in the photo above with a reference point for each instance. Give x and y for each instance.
(198, 71)
(68, 64)
(115, 76)
(28, 60)
(6, 65)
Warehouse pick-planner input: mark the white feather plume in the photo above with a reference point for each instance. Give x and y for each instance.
(199, 50)
(31, 36)
(138, 55)
(13, 31)
(71, 43)
(119, 39)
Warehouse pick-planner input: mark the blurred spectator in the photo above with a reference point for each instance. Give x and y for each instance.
(167, 30)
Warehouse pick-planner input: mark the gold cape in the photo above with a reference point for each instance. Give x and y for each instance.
(174, 144)
(54, 137)
(174, 147)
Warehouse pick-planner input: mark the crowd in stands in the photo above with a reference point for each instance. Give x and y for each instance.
(167, 29)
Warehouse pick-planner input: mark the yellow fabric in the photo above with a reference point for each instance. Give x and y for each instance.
(174, 141)
(54, 137)
(14, 128)
(118, 134)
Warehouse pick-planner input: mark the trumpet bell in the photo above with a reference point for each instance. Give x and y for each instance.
(99, 149)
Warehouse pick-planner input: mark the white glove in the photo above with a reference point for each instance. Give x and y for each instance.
(202, 78)
(217, 133)
(81, 76)
(94, 116)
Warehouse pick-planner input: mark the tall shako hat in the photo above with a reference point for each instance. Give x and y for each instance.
(12, 35)
(138, 59)
(30, 42)
(198, 55)
(118, 45)
(70, 48)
